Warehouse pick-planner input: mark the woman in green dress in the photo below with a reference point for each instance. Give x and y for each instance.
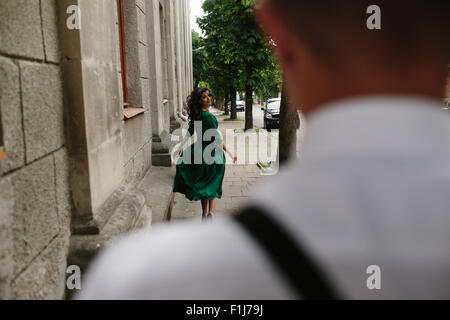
(201, 167)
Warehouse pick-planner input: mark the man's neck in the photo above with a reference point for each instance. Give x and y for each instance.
(425, 80)
(368, 89)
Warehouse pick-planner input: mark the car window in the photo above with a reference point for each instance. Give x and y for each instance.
(273, 105)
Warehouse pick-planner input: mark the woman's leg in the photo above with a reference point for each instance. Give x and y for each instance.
(205, 207)
(212, 205)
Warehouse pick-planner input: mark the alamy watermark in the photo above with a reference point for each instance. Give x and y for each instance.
(74, 280)
(374, 20)
(374, 280)
(74, 19)
(251, 147)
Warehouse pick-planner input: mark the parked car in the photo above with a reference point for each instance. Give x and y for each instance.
(240, 105)
(270, 101)
(272, 115)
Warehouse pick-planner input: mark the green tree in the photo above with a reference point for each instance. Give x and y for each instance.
(252, 53)
(198, 58)
(222, 72)
(271, 84)
(238, 59)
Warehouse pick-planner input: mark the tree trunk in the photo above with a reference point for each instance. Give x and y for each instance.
(248, 98)
(248, 107)
(288, 127)
(219, 104)
(227, 95)
(233, 104)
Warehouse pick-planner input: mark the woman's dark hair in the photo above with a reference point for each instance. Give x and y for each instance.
(194, 104)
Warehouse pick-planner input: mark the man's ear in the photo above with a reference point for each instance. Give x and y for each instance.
(276, 29)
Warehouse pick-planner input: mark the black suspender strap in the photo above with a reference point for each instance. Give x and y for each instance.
(299, 270)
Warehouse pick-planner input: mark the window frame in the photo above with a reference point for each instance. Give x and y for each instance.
(128, 110)
(123, 60)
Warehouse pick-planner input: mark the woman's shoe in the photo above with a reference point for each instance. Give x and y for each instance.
(207, 218)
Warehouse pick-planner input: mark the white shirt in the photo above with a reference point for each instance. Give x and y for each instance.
(373, 188)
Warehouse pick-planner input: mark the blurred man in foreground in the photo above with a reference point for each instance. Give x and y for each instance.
(366, 214)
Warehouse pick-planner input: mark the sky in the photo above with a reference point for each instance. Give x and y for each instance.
(196, 12)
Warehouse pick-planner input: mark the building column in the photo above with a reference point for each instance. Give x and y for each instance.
(161, 142)
(175, 123)
(179, 61)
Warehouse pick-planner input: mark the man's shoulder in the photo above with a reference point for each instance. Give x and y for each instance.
(280, 186)
(178, 261)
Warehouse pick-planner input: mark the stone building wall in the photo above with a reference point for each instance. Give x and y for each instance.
(69, 183)
(137, 130)
(34, 192)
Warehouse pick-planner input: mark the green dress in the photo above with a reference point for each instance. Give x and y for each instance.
(201, 167)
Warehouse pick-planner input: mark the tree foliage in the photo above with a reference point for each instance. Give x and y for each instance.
(199, 58)
(237, 57)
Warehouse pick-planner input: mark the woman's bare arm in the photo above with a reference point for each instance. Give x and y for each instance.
(224, 147)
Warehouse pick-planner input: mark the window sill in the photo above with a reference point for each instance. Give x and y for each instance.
(129, 113)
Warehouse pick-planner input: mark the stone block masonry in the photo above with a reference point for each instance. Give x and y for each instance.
(35, 202)
(10, 109)
(21, 19)
(76, 173)
(42, 102)
(35, 214)
(6, 237)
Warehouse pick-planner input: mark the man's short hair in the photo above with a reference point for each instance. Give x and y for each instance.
(330, 27)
